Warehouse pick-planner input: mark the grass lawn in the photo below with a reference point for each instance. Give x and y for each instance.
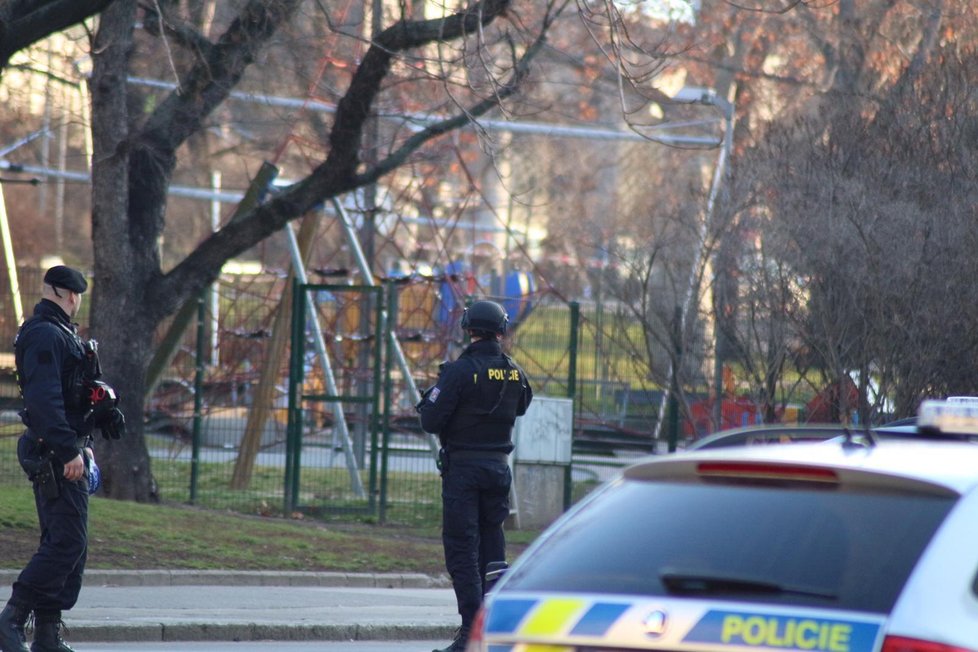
(126, 535)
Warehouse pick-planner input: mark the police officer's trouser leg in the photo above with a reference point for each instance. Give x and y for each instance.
(13, 619)
(475, 501)
(493, 512)
(460, 536)
(52, 579)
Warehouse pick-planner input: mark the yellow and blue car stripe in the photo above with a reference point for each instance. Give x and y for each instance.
(559, 623)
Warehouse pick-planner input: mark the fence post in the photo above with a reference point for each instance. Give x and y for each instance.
(389, 337)
(293, 436)
(674, 382)
(575, 323)
(198, 401)
(378, 420)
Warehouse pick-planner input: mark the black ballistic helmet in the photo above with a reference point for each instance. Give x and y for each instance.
(486, 316)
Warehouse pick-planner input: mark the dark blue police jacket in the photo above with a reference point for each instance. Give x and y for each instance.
(476, 400)
(50, 357)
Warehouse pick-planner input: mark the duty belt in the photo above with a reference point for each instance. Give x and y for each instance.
(80, 442)
(494, 456)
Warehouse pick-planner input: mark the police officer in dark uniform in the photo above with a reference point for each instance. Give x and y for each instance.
(63, 403)
(472, 409)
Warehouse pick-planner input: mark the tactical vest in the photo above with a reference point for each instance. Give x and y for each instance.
(492, 388)
(78, 369)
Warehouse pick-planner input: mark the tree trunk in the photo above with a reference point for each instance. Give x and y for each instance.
(119, 318)
(125, 463)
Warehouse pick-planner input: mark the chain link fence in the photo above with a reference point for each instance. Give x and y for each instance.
(218, 432)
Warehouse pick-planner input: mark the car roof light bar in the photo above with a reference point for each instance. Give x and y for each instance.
(957, 415)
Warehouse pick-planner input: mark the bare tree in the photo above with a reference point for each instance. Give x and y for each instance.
(454, 68)
(826, 207)
(872, 206)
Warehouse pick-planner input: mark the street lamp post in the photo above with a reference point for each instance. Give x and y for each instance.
(708, 96)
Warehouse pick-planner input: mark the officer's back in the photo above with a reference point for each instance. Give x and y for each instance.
(477, 400)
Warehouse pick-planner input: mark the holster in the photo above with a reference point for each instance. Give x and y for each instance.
(41, 473)
(442, 461)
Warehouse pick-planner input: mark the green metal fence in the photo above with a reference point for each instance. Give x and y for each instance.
(204, 407)
(331, 442)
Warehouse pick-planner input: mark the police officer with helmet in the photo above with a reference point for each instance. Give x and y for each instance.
(472, 409)
(64, 402)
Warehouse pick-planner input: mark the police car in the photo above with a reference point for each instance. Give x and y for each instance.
(843, 546)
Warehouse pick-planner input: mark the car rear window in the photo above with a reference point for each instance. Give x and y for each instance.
(825, 547)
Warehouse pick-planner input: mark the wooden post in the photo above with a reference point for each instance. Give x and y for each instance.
(271, 370)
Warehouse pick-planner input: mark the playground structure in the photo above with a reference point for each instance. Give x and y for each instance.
(223, 364)
(347, 344)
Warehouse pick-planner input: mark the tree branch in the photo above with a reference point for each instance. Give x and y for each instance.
(159, 22)
(25, 23)
(354, 108)
(336, 174)
(397, 158)
(210, 81)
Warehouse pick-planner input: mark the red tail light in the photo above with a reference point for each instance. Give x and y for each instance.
(901, 644)
(475, 632)
(766, 471)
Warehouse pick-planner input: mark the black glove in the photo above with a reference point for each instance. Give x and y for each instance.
(113, 424)
(424, 397)
(104, 413)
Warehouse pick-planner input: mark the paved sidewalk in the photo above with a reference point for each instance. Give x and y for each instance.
(119, 606)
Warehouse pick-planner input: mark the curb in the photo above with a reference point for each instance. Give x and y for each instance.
(163, 633)
(254, 578)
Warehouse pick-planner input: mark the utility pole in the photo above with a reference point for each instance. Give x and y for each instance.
(696, 95)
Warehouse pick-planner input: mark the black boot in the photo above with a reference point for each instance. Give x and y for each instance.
(458, 643)
(12, 622)
(47, 634)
